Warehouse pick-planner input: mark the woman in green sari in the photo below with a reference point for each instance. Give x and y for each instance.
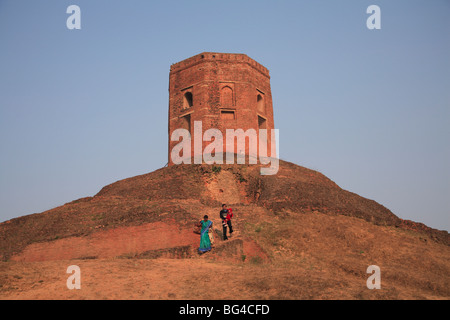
(205, 243)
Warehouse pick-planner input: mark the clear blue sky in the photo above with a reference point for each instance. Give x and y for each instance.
(80, 109)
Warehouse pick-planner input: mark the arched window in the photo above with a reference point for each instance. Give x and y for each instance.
(226, 97)
(262, 123)
(186, 122)
(188, 100)
(260, 103)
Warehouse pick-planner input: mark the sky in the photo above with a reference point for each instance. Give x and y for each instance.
(370, 109)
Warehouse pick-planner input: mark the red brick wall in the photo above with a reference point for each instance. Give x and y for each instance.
(206, 76)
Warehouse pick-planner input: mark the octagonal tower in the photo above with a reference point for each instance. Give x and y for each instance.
(223, 91)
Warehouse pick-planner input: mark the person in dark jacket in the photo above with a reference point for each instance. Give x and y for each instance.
(226, 216)
(223, 217)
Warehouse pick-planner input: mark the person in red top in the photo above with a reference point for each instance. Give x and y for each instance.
(228, 219)
(226, 215)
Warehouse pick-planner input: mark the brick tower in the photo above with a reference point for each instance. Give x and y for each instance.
(223, 90)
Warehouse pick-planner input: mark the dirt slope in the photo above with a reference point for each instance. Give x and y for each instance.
(314, 239)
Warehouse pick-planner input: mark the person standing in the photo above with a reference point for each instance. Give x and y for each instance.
(229, 216)
(205, 243)
(226, 221)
